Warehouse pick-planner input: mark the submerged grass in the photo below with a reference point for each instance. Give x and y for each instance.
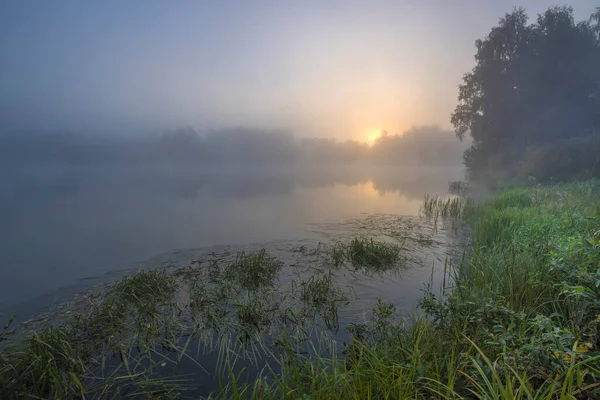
(71, 360)
(120, 344)
(321, 295)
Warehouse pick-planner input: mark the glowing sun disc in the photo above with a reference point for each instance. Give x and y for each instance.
(373, 135)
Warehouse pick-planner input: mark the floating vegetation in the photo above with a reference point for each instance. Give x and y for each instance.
(256, 313)
(219, 312)
(5, 331)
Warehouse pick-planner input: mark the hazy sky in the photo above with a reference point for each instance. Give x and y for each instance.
(322, 68)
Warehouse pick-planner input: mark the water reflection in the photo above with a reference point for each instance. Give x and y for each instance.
(60, 226)
(250, 182)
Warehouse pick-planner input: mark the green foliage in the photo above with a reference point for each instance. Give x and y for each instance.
(64, 362)
(50, 366)
(521, 198)
(320, 294)
(533, 84)
(319, 290)
(450, 207)
(373, 255)
(121, 342)
(528, 295)
(521, 323)
(368, 254)
(253, 270)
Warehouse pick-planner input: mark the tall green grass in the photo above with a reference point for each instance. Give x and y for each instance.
(434, 207)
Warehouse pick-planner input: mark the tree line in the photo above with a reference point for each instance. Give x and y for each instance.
(422, 145)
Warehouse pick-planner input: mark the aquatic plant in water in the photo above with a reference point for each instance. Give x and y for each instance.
(367, 254)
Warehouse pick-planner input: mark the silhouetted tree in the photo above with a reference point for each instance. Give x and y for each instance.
(532, 84)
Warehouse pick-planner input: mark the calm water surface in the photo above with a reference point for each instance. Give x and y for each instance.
(61, 230)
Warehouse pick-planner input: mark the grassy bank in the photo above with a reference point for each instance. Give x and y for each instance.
(522, 320)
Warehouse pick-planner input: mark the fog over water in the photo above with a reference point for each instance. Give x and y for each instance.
(63, 225)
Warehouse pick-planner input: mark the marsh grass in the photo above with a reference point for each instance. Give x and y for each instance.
(125, 336)
(67, 361)
(411, 362)
(320, 289)
(434, 207)
(121, 342)
(367, 254)
(321, 295)
(458, 188)
(253, 270)
(49, 366)
(6, 331)
(372, 255)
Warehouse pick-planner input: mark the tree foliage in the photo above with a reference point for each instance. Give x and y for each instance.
(533, 84)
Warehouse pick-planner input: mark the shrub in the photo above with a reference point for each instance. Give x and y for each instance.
(572, 159)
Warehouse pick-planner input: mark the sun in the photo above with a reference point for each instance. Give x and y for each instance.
(372, 136)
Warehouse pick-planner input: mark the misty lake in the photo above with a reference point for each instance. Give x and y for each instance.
(64, 230)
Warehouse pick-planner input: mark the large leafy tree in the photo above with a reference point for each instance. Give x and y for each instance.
(532, 84)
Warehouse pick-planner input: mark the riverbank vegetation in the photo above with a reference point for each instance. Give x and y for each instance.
(519, 319)
(522, 320)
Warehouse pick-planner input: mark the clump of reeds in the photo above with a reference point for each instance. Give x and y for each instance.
(446, 207)
(373, 255)
(367, 254)
(253, 270)
(320, 290)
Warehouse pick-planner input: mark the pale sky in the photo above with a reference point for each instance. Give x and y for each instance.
(320, 68)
